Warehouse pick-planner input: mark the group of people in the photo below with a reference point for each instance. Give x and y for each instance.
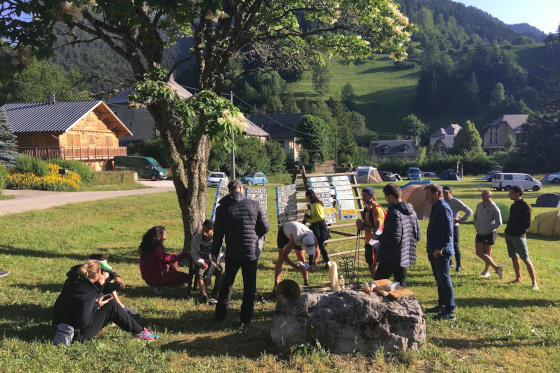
(89, 300)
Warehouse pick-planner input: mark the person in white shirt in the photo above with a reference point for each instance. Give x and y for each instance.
(295, 235)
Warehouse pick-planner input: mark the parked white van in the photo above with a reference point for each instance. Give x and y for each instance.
(507, 180)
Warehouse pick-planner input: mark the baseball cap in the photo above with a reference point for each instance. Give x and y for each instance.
(309, 244)
(234, 184)
(105, 265)
(369, 190)
(447, 188)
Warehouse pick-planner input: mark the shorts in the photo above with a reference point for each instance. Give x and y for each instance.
(517, 247)
(203, 272)
(282, 240)
(370, 259)
(487, 239)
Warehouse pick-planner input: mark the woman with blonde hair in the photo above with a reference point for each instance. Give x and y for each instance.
(82, 310)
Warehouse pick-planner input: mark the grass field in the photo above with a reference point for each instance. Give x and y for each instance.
(500, 326)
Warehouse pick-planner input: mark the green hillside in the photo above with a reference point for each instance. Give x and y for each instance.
(385, 93)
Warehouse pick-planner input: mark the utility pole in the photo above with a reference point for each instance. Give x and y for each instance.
(232, 145)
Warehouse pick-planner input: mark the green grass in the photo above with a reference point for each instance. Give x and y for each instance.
(3, 196)
(500, 327)
(385, 93)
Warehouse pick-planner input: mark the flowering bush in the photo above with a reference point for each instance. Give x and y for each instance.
(53, 181)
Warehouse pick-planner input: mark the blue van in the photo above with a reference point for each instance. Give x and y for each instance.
(146, 167)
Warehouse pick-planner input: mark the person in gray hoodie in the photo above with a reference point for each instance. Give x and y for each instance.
(487, 218)
(397, 250)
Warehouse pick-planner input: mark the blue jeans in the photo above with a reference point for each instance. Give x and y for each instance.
(440, 269)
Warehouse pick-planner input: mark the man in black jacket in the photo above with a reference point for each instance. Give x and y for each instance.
(242, 222)
(516, 240)
(397, 249)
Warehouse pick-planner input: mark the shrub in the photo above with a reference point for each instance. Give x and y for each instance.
(85, 172)
(27, 164)
(53, 181)
(3, 176)
(113, 177)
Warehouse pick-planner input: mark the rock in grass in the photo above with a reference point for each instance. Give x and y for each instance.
(350, 321)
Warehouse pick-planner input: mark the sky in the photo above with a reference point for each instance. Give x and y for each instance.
(543, 14)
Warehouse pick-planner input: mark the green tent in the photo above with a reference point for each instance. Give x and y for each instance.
(504, 210)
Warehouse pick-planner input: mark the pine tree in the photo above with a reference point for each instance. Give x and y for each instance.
(467, 141)
(347, 148)
(8, 145)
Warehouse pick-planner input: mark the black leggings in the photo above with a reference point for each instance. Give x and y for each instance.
(322, 249)
(110, 312)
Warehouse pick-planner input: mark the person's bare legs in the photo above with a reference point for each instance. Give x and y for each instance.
(532, 274)
(278, 266)
(373, 270)
(484, 252)
(516, 269)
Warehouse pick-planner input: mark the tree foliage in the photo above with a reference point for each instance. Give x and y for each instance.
(412, 126)
(8, 142)
(467, 141)
(312, 134)
(266, 35)
(321, 78)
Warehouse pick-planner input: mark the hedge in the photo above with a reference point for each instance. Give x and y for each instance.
(3, 176)
(85, 172)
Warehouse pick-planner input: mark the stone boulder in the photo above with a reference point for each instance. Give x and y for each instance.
(349, 321)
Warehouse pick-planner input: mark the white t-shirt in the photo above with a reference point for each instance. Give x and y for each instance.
(296, 229)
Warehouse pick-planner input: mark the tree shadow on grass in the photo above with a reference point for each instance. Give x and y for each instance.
(238, 342)
(505, 303)
(479, 343)
(29, 253)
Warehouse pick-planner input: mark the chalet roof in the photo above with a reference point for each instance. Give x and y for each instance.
(122, 98)
(393, 148)
(447, 141)
(56, 117)
(277, 125)
(515, 121)
(254, 130)
(450, 130)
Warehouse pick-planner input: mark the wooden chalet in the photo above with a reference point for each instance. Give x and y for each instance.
(86, 131)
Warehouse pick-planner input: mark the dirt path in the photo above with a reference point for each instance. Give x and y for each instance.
(26, 200)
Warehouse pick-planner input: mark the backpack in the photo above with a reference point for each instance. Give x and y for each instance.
(375, 210)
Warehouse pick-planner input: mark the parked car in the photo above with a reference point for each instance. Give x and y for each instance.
(428, 174)
(490, 174)
(145, 167)
(414, 173)
(554, 178)
(214, 178)
(254, 178)
(388, 176)
(507, 180)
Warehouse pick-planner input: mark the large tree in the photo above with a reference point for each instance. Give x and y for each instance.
(312, 134)
(266, 35)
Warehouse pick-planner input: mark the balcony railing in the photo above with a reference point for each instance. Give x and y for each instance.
(74, 152)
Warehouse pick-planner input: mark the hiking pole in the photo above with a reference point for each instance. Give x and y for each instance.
(357, 254)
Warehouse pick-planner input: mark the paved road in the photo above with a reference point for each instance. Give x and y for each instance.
(26, 200)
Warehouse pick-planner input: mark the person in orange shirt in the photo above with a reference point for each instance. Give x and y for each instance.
(373, 219)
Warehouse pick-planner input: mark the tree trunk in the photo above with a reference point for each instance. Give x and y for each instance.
(188, 167)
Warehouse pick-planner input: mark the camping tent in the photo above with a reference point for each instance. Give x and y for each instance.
(368, 175)
(549, 200)
(415, 195)
(417, 182)
(546, 224)
(449, 174)
(504, 211)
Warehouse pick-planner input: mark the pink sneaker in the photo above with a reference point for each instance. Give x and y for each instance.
(145, 334)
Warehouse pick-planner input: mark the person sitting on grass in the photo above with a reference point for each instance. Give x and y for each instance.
(201, 248)
(113, 282)
(82, 310)
(158, 268)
